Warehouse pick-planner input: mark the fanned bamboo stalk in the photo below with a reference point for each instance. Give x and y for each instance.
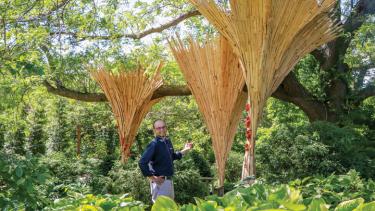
(213, 74)
(129, 94)
(270, 36)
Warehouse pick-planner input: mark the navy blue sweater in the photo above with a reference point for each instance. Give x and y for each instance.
(158, 158)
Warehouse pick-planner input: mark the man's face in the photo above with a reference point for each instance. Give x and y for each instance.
(160, 129)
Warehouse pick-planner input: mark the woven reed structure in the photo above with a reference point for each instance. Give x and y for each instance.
(129, 94)
(270, 37)
(213, 73)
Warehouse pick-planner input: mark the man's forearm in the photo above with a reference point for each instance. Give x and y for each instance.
(184, 151)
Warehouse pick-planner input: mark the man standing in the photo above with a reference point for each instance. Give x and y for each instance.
(156, 162)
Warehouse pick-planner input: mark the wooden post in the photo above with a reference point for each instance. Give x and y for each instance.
(248, 166)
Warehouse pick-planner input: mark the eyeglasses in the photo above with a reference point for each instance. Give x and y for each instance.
(161, 128)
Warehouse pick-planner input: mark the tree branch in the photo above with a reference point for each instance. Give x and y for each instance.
(328, 54)
(163, 91)
(21, 19)
(354, 22)
(72, 94)
(291, 90)
(365, 93)
(138, 35)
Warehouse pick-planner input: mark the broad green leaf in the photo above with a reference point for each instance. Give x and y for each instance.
(19, 171)
(164, 203)
(20, 181)
(292, 206)
(317, 205)
(106, 205)
(349, 205)
(189, 207)
(88, 208)
(366, 207)
(208, 206)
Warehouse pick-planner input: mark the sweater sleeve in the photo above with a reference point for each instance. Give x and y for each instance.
(145, 160)
(175, 155)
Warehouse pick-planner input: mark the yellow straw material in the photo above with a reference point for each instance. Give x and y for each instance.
(129, 94)
(213, 73)
(270, 37)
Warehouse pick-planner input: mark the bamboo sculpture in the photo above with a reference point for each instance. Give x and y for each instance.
(129, 94)
(213, 74)
(270, 36)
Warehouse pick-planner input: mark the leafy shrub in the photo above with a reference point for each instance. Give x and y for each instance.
(233, 167)
(72, 174)
(285, 152)
(127, 178)
(187, 185)
(336, 188)
(21, 182)
(200, 163)
(347, 145)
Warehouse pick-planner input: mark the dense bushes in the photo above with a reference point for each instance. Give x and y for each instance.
(187, 182)
(288, 152)
(22, 182)
(233, 167)
(128, 179)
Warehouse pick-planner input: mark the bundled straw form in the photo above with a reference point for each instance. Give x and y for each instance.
(129, 94)
(213, 74)
(270, 36)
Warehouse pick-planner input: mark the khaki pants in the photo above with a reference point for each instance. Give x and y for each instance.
(165, 189)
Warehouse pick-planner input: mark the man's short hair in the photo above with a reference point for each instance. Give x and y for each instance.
(153, 124)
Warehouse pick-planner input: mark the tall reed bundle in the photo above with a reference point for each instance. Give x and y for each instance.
(271, 36)
(213, 74)
(129, 94)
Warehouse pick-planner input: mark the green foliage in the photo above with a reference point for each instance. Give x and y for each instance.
(187, 182)
(59, 46)
(336, 188)
(261, 196)
(286, 152)
(313, 77)
(187, 185)
(99, 202)
(37, 136)
(19, 140)
(164, 203)
(82, 175)
(195, 160)
(348, 145)
(21, 182)
(59, 132)
(128, 179)
(233, 167)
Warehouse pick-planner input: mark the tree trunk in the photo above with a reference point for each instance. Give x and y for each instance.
(78, 144)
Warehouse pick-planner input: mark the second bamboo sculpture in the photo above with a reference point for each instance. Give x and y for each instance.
(213, 73)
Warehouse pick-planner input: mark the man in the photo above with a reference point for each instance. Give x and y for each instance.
(156, 162)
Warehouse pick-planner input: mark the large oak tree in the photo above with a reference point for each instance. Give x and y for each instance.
(36, 33)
